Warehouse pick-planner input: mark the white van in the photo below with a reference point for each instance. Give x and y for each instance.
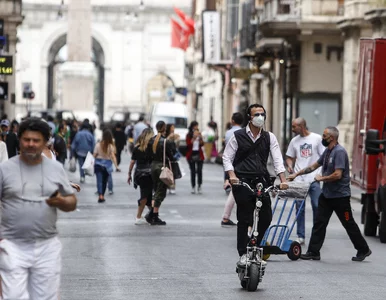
(171, 113)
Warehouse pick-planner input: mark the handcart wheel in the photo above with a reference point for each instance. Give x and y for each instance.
(267, 256)
(294, 251)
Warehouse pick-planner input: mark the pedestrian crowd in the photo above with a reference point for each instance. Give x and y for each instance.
(36, 151)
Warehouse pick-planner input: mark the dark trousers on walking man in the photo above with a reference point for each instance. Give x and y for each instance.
(342, 208)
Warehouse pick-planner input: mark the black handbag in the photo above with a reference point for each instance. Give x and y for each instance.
(195, 157)
(176, 170)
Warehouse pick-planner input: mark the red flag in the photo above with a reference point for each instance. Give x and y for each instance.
(179, 37)
(189, 22)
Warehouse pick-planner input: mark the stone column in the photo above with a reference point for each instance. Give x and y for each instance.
(349, 95)
(78, 72)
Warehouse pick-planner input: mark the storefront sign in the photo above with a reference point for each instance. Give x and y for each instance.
(211, 37)
(6, 65)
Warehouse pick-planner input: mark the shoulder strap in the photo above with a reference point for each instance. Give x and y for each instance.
(164, 153)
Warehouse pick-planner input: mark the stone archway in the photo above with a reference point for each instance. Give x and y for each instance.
(55, 60)
(157, 88)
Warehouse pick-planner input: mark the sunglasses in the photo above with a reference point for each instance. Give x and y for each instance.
(259, 114)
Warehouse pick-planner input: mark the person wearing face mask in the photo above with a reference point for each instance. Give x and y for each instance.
(245, 158)
(304, 149)
(335, 197)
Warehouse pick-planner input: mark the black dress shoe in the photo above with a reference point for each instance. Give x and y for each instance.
(361, 255)
(309, 256)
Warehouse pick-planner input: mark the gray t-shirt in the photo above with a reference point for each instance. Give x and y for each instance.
(331, 160)
(25, 215)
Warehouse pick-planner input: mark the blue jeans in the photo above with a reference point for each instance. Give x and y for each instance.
(81, 160)
(314, 193)
(102, 176)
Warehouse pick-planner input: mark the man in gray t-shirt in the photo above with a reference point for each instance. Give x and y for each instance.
(32, 188)
(335, 197)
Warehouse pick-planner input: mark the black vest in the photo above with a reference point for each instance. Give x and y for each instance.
(251, 158)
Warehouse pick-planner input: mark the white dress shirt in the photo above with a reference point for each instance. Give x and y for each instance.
(274, 149)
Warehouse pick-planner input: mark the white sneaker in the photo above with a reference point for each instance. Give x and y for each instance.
(199, 190)
(140, 221)
(172, 191)
(193, 190)
(300, 241)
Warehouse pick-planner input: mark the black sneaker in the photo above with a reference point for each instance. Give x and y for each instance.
(149, 217)
(228, 224)
(310, 255)
(101, 200)
(361, 255)
(157, 221)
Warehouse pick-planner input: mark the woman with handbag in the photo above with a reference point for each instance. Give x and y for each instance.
(195, 155)
(175, 140)
(104, 153)
(142, 174)
(161, 152)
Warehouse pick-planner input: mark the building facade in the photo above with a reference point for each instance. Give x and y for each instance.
(130, 50)
(10, 19)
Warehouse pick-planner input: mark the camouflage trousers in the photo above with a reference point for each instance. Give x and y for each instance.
(160, 188)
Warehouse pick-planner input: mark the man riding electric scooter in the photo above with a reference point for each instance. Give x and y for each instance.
(245, 158)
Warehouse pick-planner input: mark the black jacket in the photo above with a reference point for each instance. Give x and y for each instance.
(158, 156)
(12, 142)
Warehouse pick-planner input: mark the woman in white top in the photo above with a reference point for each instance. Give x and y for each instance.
(3, 149)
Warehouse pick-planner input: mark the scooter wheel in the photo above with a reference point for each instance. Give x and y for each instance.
(294, 251)
(253, 280)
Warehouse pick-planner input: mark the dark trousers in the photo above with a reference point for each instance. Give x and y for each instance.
(246, 203)
(160, 188)
(118, 156)
(102, 177)
(195, 168)
(342, 208)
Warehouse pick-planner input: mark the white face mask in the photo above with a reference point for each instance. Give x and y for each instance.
(258, 121)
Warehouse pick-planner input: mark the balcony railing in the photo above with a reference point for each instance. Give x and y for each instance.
(287, 10)
(281, 10)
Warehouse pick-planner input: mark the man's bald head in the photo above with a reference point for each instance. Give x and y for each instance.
(299, 126)
(300, 121)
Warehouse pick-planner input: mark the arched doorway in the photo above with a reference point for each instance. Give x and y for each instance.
(58, 55)
(159, 88)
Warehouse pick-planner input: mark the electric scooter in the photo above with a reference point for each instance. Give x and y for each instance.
(252, 273)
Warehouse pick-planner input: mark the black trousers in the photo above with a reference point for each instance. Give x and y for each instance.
(246, 203)
(342, 208)
(195, 167)
(118, 156)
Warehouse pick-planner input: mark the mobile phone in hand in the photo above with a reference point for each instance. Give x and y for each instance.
(54, 194)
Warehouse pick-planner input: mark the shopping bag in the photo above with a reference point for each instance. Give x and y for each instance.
(72, 165)
(88, 165)
(176, 170)
(166, 175)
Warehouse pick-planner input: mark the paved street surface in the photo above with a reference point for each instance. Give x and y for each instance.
(106, 256)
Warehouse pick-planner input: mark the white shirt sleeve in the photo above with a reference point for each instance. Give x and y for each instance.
(3, 152)
(229, 154)
(277, 158)
(291, 150)
(321, 148)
